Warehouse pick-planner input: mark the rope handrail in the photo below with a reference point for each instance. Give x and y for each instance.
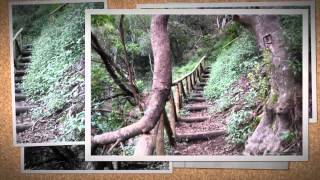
(189, 74)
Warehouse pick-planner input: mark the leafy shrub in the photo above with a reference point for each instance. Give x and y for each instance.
(106, 123)
(239, 127)
(230, 64)
(222, 104)
(73, 127)
(181, 70)
(292, 31)
(54, 80)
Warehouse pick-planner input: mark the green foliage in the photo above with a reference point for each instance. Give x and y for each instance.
(183, 69)
(32, 23)
(99, 81)
(274, 98)
(108, 122)
(129, 149)
(233, 61)
(296, 67)
(292, 28)
(73, 127)
(240, 127)
(288, 136)
(222, 104)
(53, 80)
(259, 77)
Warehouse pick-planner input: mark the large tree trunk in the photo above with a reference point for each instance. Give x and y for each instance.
(161, 86)
(282, 112)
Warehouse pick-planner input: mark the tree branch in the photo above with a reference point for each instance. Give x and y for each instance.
(160, 87)
(106, 59)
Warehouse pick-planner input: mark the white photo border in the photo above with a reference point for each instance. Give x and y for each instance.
(90, 157)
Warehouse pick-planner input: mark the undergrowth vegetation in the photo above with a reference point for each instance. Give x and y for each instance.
(239, 81)
(292, 26)
(55, 79)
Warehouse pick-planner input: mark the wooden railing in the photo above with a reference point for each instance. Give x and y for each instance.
(180, 89)
(17, 46)
(183, 86)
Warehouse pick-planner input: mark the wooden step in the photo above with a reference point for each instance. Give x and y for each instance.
(22, 127)
(200, 136)
(22, 66)
(17, 90)
(20, 72)
(206, 72)
(196, 108)
(197, 99)
(22, 109)
(25, 59)
(193, 119)
(20, 97)
(197, 88)
(204, 79)
(197, 95)
(27, 46)
(26, 53)
(18, 79)
(205, 76)
(202, 84)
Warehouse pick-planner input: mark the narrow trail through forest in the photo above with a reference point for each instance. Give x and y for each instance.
(27, 130)
(197, 132)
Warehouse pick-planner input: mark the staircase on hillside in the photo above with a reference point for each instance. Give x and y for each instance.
(20, 70)
(22, 59)
(192, 122)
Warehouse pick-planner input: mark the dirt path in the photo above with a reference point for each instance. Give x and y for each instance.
(196, 110)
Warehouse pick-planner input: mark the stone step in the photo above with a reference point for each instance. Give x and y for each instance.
(20, 97)
(193, 119)
(196, 107)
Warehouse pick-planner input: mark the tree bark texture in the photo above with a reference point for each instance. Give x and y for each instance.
(283, 110)
(161, 86)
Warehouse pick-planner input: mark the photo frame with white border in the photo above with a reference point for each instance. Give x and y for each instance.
(90, 157)
(310, 4)
(142, 171)
(233, 165)
(35, 2)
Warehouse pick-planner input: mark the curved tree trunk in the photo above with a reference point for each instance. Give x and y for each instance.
(283, 110)
(160, 86)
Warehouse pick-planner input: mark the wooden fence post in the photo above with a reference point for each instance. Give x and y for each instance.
(160, 137)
